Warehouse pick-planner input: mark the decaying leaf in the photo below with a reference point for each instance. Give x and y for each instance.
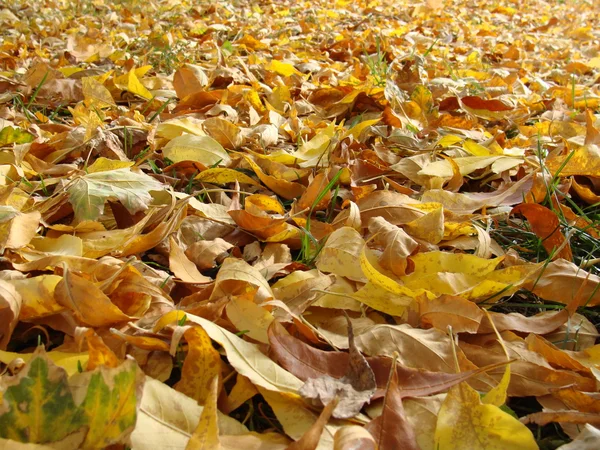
(206, 434)
(354, 389)
(465, 422)
(201, 366)
(103, 402)
(401, 433)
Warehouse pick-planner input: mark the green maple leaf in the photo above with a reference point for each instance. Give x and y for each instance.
(42, 405)
(38, 404)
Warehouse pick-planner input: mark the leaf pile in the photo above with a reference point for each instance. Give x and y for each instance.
(299, 225)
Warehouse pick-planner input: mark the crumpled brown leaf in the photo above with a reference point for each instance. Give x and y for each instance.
(353, 390)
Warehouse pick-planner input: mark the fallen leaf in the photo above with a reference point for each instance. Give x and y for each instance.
(353, 390)
(201, 366)
(203, 149)
(89, 193)
(249, 317)
(182, 267)
(89, 304)
(10, 307)
(544, 418)
(341, 254)
(353, 437)
(465, 422)
(546, 225)
(310, 439)
(401, 434)
(588, 439)
(206, 434)
(244, 356)
(168, 418)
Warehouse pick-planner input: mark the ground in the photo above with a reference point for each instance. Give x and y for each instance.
(300, 225)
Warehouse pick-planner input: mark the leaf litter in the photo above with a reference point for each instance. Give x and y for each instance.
(299, 225)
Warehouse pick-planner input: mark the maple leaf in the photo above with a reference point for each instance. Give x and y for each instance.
(89, 193)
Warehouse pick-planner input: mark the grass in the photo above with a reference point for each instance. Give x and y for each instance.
(377, 64)
(311, 247)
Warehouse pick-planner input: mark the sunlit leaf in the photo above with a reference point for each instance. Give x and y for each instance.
(89, 193)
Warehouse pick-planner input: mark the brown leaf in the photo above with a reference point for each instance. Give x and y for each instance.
(474, 102)
(224, 132)
(307, 362)
(310, 439)
(354, 389)
(544, 418)
(462, 315)
(392, 429)
(577, 400)
(10, 306)
(530, 373)
(397, 243)
(313, 191)
(562, 280)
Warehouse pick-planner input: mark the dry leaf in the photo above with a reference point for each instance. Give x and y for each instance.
(354, 389)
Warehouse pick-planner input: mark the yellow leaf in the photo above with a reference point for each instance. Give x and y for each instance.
(173, 128)
(449, 140)
(245, 357)
(464, 422)
(281, 68)
(314, 150)
(357, 129)
(341, 254)
(167, 418)
(422, 97)
(136, 87)
(246, 315)
(89, 304)
(38, 296)
(583, 161)
(295, 417)
(68, 361)
(206, 434)
(237, 277)
(254, 99)
(182, 267)
(224, 132)
(475, 149)
(202, 366)
(95, 94)
(466, 275)
(381, 299)
(368, 266)
(429, 227)
(435, 262)
(286, 189)
(170, 318)
(224, 176)
(144, 342)
(103, 164)
(242, 391)
(203, 149)
(99, 353)
(497, 395)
